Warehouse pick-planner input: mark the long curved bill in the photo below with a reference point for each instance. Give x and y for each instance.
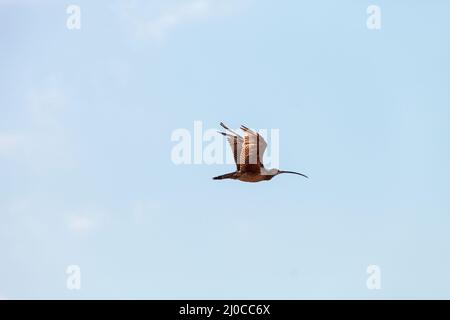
(293, 172)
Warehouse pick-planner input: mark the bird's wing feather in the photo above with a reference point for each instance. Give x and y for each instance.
(236, 142)
(251, 156)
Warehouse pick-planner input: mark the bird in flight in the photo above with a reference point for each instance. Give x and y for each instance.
(248, 153)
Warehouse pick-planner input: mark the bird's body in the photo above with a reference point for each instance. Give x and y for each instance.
(245, 176)
(248, 152)
(253, 177)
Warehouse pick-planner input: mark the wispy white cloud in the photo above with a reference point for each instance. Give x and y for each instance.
(162, 25)
(81, 223)
(37, 216)
(173, 15)
(87, 218)
(40, 141)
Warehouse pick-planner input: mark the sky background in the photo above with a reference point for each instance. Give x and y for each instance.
(86, 176)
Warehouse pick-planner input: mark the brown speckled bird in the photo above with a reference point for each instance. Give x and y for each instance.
(248, 153)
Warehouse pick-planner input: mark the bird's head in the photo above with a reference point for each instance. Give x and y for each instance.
(274, 172)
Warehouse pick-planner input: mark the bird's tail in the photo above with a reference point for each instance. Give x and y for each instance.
(230, 175)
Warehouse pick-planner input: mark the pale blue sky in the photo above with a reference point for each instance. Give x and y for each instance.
(86, 176)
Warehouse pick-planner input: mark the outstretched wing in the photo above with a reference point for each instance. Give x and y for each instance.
(251, 156)
(235, 141)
